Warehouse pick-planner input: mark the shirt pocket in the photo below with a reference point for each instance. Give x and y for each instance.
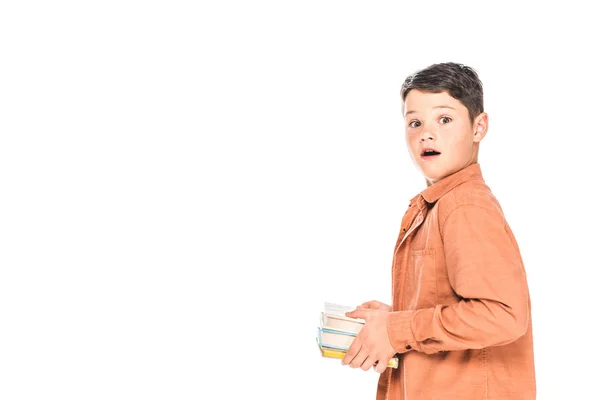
(421, 286)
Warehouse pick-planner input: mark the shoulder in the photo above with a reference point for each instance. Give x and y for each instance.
(474, 197)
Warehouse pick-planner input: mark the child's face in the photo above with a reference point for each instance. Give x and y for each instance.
(440, 122)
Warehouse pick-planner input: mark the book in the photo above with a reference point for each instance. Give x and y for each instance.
(335, 339)
(339, 354)
(334, 318)
(336, 332)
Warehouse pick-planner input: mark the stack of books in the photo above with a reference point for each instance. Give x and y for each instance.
(337, 332)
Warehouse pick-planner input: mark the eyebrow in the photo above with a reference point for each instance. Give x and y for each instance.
(452, 108)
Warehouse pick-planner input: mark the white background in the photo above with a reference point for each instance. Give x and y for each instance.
(182, 186)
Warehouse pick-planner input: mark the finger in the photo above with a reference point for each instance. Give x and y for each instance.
(352, 352)
(381, 366)
(359, 359)
(368, 363)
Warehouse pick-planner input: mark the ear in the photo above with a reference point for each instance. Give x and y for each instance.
(480, 127)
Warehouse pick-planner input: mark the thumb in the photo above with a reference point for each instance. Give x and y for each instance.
(357, 313)
(370, 304)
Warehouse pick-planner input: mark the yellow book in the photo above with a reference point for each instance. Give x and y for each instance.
(334, 353)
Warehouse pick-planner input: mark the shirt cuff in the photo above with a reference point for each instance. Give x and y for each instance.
(399, 325)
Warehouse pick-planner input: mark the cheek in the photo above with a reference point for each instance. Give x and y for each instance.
(412, 137)
(413, 145)
(461, 140)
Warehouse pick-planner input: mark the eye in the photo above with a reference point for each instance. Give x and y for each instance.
(445, 120)
(414, 124)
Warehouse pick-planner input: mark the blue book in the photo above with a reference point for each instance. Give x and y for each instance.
(335, 339)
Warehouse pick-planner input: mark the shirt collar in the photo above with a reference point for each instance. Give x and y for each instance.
(434, 192)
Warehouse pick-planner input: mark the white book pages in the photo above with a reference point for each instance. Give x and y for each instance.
(339, 311)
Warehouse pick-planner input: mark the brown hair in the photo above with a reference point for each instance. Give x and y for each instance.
(460, 81)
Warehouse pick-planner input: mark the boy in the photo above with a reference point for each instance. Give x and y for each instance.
(461, 314)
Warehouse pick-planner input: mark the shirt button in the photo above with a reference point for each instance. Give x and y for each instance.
(408, 347)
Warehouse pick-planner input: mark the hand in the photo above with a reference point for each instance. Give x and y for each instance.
(372, 344)
(376, 305)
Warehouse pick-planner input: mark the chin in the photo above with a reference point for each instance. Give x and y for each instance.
(433, 176)
(433, 179)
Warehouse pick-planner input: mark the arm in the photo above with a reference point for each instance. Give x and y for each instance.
(486, 272)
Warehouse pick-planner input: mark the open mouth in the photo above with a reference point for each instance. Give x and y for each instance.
(429, 153)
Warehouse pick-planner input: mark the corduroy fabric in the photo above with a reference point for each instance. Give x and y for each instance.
(461, 319)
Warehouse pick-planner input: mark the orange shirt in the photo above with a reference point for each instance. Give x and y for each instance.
(461, 319)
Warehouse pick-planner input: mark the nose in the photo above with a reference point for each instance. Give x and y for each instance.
(427, 131)
(426, 136)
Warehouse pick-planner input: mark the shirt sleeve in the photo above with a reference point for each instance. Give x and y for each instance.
(486, 272)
